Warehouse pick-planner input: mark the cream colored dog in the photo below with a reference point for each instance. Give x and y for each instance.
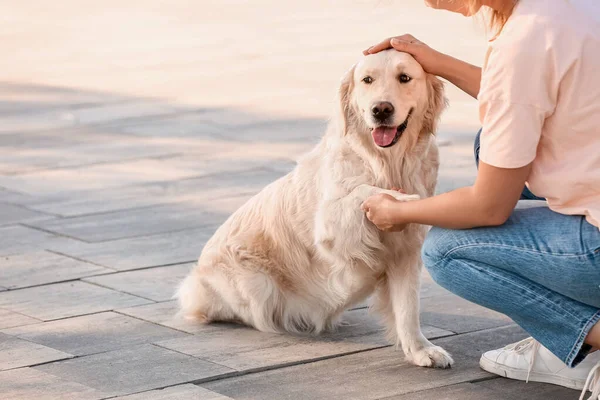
(300, 252)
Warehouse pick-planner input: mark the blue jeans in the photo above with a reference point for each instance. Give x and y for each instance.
(540, 268)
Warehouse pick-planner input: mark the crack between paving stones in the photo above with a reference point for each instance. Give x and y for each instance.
(76, 166)
(53, 233)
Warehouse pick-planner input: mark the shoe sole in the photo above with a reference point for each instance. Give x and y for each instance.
(521, 375)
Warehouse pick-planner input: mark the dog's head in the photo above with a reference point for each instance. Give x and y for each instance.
(388, 95)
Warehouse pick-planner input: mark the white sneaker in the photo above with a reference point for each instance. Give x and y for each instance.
(528, 360)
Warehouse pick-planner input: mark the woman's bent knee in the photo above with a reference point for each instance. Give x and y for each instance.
(437, 252)
(438, 243)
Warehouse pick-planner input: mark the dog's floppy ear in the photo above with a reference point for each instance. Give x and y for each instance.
(344, 95)
(436, 103)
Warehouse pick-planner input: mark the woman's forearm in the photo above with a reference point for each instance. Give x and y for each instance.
(465, 76)
(459, 209)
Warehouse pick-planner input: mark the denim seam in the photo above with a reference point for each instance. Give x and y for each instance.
(496, 245)
(582, 335)
(531, 294)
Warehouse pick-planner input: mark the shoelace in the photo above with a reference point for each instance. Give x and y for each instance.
(592, 383)
(522, 347)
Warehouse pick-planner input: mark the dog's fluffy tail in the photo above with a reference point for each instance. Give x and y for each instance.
(194, 301)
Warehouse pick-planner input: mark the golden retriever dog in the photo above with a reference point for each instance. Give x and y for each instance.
(301, 251)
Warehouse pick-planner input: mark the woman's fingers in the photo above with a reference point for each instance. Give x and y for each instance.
(400, 43)
(383, 45)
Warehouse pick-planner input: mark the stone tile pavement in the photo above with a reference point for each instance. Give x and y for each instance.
(129, 131)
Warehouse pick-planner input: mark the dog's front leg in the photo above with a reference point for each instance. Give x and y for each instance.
(403, 288)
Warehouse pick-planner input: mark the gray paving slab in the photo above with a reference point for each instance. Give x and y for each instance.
(68, 299)
(188, 125)
(243, 349)
(296, 130)
(105, 113)
(96, 333)
(28, 383)
(166, 314)
(114, 149)
(181, 392)
(141, 252)
(99, 176)
(368, 375)
(131, 223)
(518, 390)
(22, 270)
(463, 391)
(493, 389)
(223, 183)
(458, 315)
(8, 196)
(17, 353)
(22, 239)
(133, 370)
(13, 214)
(9, 319)
(158, 284)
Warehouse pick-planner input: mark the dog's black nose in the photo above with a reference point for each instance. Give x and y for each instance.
(382, 110)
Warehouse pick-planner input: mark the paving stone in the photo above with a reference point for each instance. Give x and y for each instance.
(224, 183)
(12, 214)
(22, 270)
(16, 353)
(66, 299)
(141, 252)
(375, 374)
(245, 349)
(115, 149)
(133, 370)
(181, 392)
(463, 391)
(8, 196)
(9, 319)
(452, 313)
(493, 389)
(98, 176)
(158, 284)
(21, 239)
(120, 111)
(508, 389)
(292, 130)
(28, 383)
(94, 333)
(166, 314)
(40, 121)
(186, 125)
(131, 223)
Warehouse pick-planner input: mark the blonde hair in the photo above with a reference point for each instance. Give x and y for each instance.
(495, 20)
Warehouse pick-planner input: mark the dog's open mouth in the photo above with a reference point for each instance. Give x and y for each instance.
(387, 136)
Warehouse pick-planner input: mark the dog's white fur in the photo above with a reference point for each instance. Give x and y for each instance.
(300, 252)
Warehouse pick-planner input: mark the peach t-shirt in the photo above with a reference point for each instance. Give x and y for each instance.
(540, 102)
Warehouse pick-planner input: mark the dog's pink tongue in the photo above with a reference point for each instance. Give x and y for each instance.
(383, 135)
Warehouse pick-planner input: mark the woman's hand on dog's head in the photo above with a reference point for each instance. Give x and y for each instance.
(431, 60)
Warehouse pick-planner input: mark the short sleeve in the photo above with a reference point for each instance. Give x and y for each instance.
(518, 92)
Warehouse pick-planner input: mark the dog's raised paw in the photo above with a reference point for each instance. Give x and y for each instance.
(431, 357)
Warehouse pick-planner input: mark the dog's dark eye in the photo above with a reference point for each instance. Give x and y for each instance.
(368, 80)
(403, 78)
